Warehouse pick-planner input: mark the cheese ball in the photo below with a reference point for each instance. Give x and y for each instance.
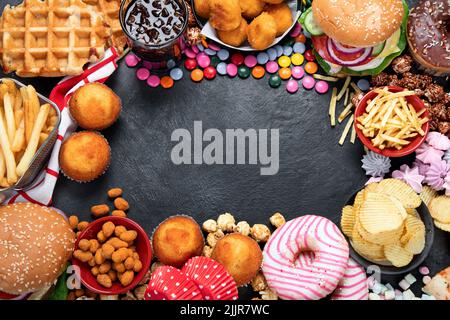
(176, 240)
(234, 37)
(262, 31)
(251, 8)
(84, 156)
(202, 8)
(282, 15)
(94, 106)
(240, 255)
(225, 15)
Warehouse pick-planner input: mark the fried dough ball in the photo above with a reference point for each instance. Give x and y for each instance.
(225, 15)
(234, 37)
(240, 255)
(202, 8)
(251, 8)
(282, 15)
(262, 31)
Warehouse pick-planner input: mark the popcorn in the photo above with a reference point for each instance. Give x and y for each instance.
(259, 282)
(209, 226)
(226, 222)
(260, 232)
(277, 220)
(268, 295)
(243, 228)
(212, 238)
(207, 251)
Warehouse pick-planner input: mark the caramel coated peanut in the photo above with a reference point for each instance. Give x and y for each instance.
(121, 204)
(99, 210)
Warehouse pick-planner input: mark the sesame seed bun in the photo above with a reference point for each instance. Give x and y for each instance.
(358, 23)
(35, 244)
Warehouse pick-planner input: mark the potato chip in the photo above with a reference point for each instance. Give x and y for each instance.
(379, 214)
(399, 206)
(379, 238)
(397, 255)
(440, 209)
(427, 195)
(347, 220)
(365, 248)
(414, 239)
(402, 191)
(442, 226)
(413, 212)
(371, 187)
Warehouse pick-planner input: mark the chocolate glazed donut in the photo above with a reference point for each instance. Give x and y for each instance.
(428, 36)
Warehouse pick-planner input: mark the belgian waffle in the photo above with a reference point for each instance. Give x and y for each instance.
(110, 10)
(51, 37)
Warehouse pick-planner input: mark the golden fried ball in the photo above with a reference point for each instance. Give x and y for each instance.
(234, 37)
(262, 31)
(176, 240)
(240, 255)
(251, 8)
(282, 15)
(225, 15)
(202, 8)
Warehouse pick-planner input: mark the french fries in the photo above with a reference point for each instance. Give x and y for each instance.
(390, 121)
(25, 125)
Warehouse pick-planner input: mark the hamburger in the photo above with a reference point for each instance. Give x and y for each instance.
(356, 37)
(35, 244)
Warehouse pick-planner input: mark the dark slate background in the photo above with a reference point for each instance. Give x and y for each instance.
(316, 175)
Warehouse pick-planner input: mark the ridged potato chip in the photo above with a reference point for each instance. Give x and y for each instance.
(347, 220)
(380, 238)
(359, 200)
(414, 239)
(440, 209)
(397, 255)
(442, 226)
(413, 212)
(428, 194)
(380, 214)
(400, 190)
(371, 187)
(370, 251)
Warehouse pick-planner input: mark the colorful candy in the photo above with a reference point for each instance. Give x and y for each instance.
(300, 38)
(274, 81)
(197, 75)
(190, 53)
(214, 61)
(250, 61)
(243, 71)
(132, 60)
(222, 68)
(210, 52)
(209, 73)
(292, 86)
(142, 73)
(297, 72)
(271, 67)
(203, 60)
(284, 61)
(262, 58)
(258, 72)
(279, 50)
(190, 64)
(166, 82)
(223, 54)
(296, 30)
(176, 74)
(272, 53)
(322, 86)
(308, 82)
(297, 59)
(309, 55)
(311, 67)
(232, 70)
(237, 59)
(363, 84)
(299, 47)
(153, 81)
(284, 73)
(287, 50)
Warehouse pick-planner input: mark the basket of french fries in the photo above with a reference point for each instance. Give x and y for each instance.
(28, 131)
(392, 121)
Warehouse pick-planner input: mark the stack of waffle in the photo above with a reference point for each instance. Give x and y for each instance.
(51, 37)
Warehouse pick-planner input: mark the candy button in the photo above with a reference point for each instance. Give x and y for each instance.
(214, 46)
(210, 73)
(274, 81)
(203, 60)
(272, 53)
(190, 53)
(363, 84)
(300, 38)
(166, 82)
(200, 47)
(195, 49)
(284, 73)
(299, 47)
(297, 72)
(284, 61)
(271, 67)
(222, 68)
(297, 59)
(279, 50)
(308, 82)
(243, 71)
(190, 64)
(171, 64)
(262, 58)
(292, 86)
(296, 30)
(142, 74)
(210, 52)
(176, 74)
(147, 64)
(287, 50)
(258, 72)
(289, 42)
(153, 81)
(232, 70)
(322, 87)
(237, 59)
(306, 34)
(215, 61)
(223, 54)
(250, 61)
(197, 75)
(132, 60)
(309, 55)
(311, 67)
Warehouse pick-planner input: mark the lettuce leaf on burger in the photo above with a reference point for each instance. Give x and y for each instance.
(356, 37)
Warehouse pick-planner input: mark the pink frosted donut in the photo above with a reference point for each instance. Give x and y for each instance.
(353, 285)
(305, 258)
